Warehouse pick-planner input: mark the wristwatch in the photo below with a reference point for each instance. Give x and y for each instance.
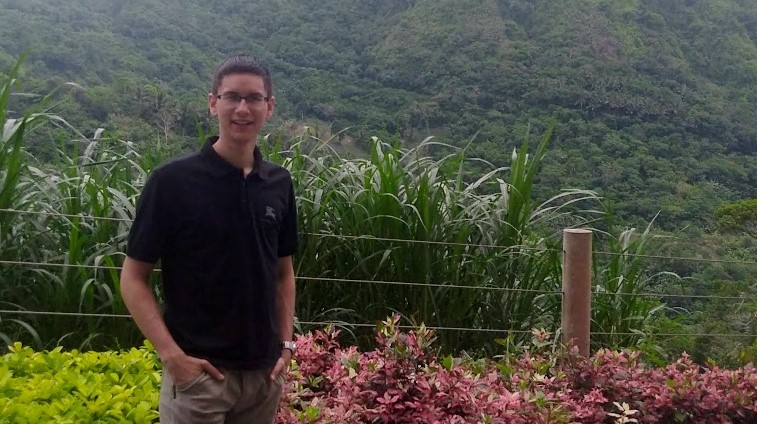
(288, 344)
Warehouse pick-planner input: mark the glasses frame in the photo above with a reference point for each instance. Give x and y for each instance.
(250, 99)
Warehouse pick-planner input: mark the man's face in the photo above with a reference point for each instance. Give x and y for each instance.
(242, 106)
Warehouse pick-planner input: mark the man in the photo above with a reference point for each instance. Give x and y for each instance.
(223, 223)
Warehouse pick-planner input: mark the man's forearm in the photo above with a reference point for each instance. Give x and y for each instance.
(145, 311)
(286, 299)
(286, 309)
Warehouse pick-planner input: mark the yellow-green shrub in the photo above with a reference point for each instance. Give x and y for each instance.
(76, 387)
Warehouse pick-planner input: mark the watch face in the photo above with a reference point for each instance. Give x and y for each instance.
(288, 345)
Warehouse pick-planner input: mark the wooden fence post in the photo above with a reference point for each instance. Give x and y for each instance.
(576, 288)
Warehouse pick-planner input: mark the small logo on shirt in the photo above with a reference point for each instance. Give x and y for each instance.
(270, 213)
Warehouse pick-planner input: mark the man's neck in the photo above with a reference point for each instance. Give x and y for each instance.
(241, 155)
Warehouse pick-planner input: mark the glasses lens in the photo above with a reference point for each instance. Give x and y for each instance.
(232, 97)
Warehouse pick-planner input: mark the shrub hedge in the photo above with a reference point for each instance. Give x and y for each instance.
(401, 381)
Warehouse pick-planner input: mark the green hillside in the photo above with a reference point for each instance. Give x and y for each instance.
(655, 101)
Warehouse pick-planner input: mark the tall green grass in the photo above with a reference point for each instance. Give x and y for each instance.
(89, 197)
(620, 316)
(82, 207)
(12, 166)
(470, 248)
(479, 253)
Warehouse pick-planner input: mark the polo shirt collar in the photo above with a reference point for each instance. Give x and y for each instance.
(220, 167)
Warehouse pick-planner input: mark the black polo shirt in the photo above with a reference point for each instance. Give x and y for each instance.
(219, 236)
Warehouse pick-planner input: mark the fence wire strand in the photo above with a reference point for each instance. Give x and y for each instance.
(406, 327)
(319, 323)
(431, 242)
(413, 284)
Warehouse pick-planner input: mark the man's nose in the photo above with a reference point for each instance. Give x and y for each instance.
(242, 105)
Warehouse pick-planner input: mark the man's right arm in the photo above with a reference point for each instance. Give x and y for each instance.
(140, 300)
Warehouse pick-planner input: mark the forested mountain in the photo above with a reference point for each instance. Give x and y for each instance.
(655, 101)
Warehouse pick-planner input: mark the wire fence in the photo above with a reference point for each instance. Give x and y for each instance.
(429, 242)
(407, 283)
(406, 327)
(490, 286)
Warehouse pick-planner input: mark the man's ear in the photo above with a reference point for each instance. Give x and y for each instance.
(269, 108)
(212, 102)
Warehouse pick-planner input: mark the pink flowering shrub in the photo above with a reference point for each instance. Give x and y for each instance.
(402, 381)
(682, 392)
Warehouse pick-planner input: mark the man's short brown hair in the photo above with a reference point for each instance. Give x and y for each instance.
(242, 64)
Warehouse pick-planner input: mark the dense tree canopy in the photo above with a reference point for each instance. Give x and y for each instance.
(655, 103)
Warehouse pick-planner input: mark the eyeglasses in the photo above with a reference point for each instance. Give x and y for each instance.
(235, 98)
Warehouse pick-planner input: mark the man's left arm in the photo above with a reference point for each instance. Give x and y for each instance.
(286, 296)
(288, 242)
(285, 310)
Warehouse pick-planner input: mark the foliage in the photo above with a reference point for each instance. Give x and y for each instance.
(80, 209)
(472, 250)
(478, 254)
(73, 386)
(481, 251)
(400, 381)
(621, 310)
(741, 215)
(403, 381)
(707, 284)
(655, 102)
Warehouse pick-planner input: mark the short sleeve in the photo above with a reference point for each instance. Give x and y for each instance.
(288, 237)
(147, 236)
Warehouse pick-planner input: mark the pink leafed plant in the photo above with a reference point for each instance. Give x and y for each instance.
(402, 381)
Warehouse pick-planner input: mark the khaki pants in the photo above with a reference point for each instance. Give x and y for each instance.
(243, 397)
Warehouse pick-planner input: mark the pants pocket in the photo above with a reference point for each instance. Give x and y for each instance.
(195, 382)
